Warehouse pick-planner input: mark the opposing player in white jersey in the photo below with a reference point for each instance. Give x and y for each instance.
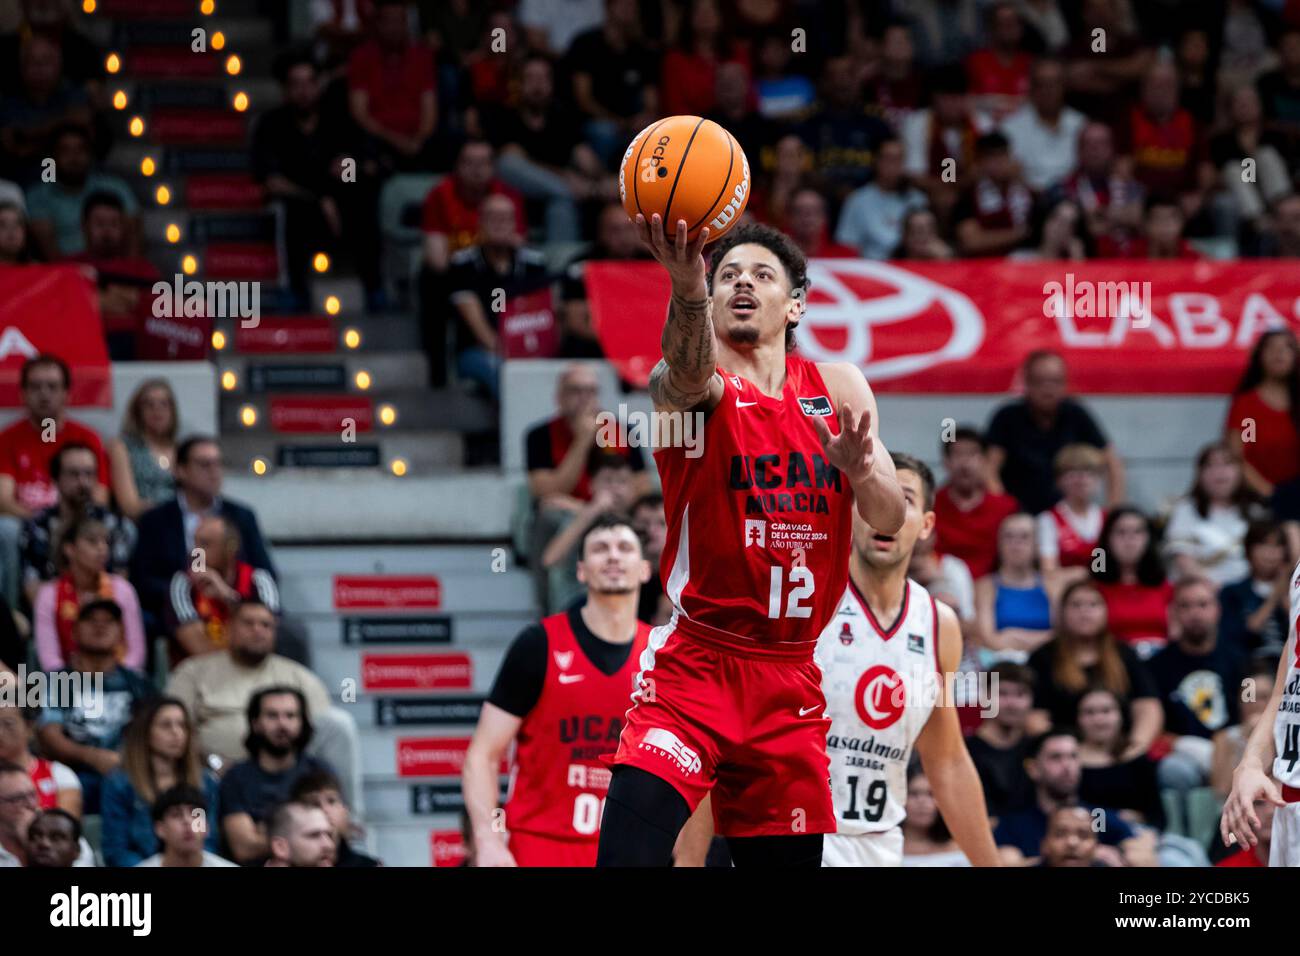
(1275, 744)
(883, 658)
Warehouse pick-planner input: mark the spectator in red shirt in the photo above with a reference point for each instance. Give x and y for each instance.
(995, 214)
(1169, 153)
(967, 514)
(1162, 234)
(1131, 579)
(450, 217)
(392, 90)
(898, 88)
(809, 228)
(25, 483)
(688, 80)
(999, 73)
(1263, 423)
(124, 281)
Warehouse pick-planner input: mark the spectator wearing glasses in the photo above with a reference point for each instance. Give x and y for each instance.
(166, 532)
(75, 472)
(19, 805)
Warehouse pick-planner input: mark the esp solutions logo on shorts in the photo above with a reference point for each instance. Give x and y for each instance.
(668, 744)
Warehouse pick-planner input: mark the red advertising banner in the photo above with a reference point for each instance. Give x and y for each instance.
(325, 413)
(387, 591)
(1123, 326)
(53, 309)
(287, 333)
(447, 847)
(434, 756)
(416, 672)
(431, 756)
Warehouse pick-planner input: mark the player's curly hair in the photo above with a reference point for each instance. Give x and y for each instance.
(780, 245)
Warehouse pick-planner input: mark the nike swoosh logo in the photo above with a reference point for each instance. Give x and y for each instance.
(804, 711)
(740, 404)
(570, 678)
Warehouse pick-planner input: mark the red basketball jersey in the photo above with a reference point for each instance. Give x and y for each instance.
(760, 524)
(557, 780)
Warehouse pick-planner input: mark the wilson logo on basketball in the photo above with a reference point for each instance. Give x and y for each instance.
(880, 697)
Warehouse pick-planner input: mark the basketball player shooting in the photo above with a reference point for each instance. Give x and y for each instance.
(729, 699)
(1274, 744)
(885, 659)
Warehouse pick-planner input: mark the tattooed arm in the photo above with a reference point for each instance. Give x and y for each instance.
(686, 377)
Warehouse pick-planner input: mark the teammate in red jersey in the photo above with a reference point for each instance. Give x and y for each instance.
(560, 698)
(729, 699)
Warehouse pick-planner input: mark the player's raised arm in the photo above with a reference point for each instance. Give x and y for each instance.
(857, 450)
(686, 376)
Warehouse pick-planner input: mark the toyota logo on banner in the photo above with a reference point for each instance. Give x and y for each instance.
(854, 302)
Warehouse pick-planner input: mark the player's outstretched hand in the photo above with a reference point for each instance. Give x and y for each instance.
(853, 450)
(1239, 823)
(683, 260)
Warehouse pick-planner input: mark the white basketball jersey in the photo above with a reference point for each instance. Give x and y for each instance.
(880, 682)
(1286, 729)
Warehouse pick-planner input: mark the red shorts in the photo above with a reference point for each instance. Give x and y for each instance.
(747, 724)
(530, 849)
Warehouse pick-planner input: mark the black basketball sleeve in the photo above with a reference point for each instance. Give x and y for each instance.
(518, 683)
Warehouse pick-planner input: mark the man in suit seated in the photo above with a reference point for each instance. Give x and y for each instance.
(166, 536)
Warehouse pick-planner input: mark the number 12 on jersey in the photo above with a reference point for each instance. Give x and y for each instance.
(802, 587)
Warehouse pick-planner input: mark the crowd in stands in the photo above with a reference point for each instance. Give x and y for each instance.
(177, 710)
(1129, 652)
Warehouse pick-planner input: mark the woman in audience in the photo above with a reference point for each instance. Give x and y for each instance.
(142, 456)
(1014, 604)
(83, 562)
(926, 839)
(688, 77)
(158, 753)
(15, 244)
(1131, 579)
(1230, 742)
(1059, 232)
(1263, 424)
(921, 240)
(1083, 655)
(56, 783)
(1253, 611)
(1068, 531)
(1206, 531)
(1109, 778)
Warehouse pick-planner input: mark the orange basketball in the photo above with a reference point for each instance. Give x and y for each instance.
(685, 167)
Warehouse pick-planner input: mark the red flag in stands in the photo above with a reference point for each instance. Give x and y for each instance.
(52, 309)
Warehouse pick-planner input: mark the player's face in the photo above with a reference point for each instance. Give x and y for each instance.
(612, 562)
(1070, 840)
(752, 300)
(887, 551)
